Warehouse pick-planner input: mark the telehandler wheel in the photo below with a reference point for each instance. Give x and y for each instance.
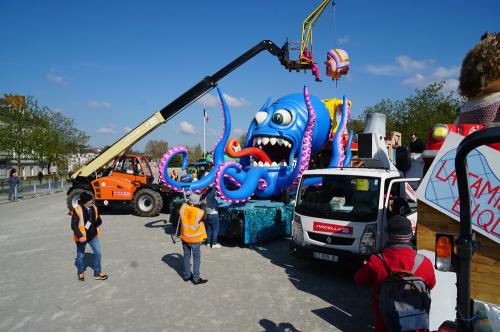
(147, 203)
(74, 196)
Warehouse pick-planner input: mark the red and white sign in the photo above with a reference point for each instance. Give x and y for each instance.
(121, 193)
(331, 228)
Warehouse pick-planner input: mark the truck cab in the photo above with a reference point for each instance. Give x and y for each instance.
(341, 213)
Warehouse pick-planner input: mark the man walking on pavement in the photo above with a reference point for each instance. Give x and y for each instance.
(192, 235)
(85, 222)
(14, 183)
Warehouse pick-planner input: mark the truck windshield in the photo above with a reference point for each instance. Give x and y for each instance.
(340, 197)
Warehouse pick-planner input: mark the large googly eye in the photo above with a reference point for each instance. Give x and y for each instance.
(282, 117)
(260, 117)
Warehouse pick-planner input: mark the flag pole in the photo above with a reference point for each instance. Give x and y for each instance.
(204, 121)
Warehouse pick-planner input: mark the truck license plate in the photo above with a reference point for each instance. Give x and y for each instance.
(326, 257)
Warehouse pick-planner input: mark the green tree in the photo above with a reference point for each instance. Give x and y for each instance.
(418, 113)
(30, 131)
(156, 148)
(19, 118)
(61, 140)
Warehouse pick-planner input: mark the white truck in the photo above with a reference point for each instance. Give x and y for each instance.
(341, 213)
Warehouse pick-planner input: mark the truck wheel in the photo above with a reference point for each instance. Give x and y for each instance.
(74, 196)
(147, 203)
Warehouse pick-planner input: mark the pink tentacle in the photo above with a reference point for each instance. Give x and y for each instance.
(307, 139)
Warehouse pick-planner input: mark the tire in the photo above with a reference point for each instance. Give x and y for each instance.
(147, 203)
(74, 196)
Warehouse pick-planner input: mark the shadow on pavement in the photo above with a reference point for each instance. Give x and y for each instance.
(174, 260)
(349, 308)
(160, 223)
(270, 326)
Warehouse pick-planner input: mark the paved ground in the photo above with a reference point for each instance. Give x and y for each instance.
(250, 289)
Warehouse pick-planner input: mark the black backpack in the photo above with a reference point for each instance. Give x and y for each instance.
(404, 300)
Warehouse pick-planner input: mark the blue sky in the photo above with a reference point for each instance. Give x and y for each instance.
(111, 64)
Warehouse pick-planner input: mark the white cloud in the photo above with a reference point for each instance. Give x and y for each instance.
(126, 129)
(211, 101)
(417, 81)
(408, 64)
(58, 110)
(106, 131)
(403, 65)
(448, 75)
(187, 128)
(344, 39)
(97, 104)
(444, 73)
(56, 79)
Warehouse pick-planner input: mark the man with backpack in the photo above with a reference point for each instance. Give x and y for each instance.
(401, 281)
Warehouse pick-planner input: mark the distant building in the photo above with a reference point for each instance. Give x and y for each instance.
(79, 159)
(29, 167)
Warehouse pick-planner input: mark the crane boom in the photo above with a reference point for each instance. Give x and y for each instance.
(176, 106)
(307, 27)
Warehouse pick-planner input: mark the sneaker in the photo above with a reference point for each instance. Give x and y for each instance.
(101, 276)
(187, 279)
(199, 281)
(81, 276)
(216, 246)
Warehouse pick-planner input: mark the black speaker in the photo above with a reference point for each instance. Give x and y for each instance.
(403, 159)
(365, 148)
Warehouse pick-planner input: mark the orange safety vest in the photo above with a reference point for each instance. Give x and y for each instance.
(81, 221)
(192, 230)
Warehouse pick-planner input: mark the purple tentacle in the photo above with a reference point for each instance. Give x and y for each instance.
(307, 140)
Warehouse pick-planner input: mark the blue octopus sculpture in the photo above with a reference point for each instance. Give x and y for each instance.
(278, 147)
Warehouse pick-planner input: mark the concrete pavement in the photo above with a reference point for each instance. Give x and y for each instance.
(261, 288)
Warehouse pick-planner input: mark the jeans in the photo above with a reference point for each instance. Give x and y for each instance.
(13, 193)
(194, 249)
(212, 228)
(80, 254)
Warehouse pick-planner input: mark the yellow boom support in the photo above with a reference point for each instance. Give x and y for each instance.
(123, 144)
(307, 29)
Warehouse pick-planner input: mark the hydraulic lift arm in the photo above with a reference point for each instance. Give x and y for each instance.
(176, 106)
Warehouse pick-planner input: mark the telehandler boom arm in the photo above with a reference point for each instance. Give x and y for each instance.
(176, 106)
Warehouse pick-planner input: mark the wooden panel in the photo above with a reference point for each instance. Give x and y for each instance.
(485, 268)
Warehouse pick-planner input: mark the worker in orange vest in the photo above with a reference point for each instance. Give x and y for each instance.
(192, 235)
(85, 222)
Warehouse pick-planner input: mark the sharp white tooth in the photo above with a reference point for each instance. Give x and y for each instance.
(274, 164)
(267, 164)
(265, 140)
(280, 141)
(254, 164)
(261, 163)
(238, 148)
(284, 163)
(254, 142)
(259, 141)
(273, 140)
(287, 144)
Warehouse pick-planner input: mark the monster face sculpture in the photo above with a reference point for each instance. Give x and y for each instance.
(278, 147)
